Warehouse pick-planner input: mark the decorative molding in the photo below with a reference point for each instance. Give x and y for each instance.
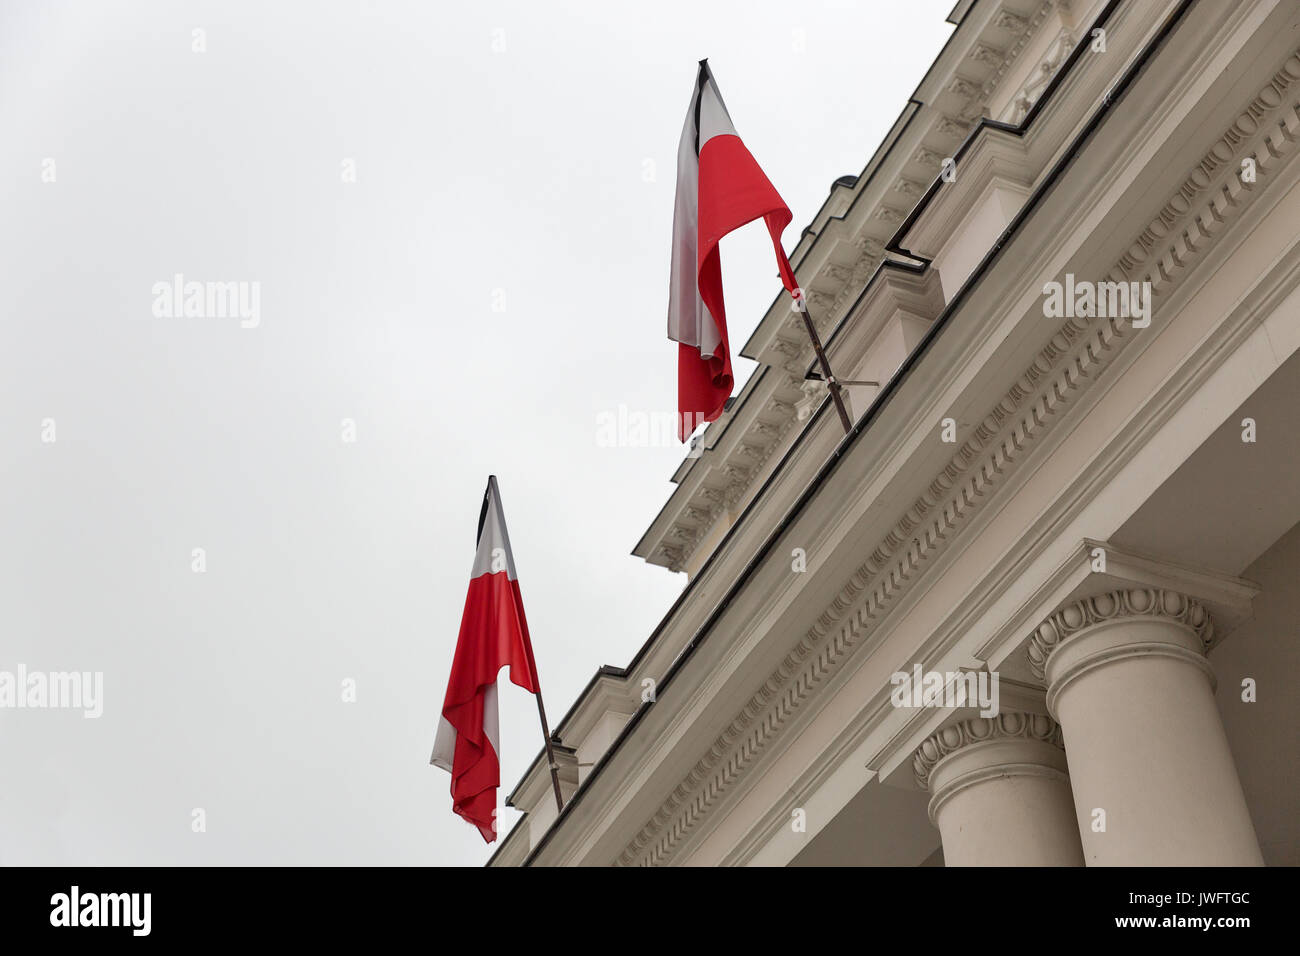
(1128, 603)
(1022, 36)
(712, 494)
(1207, 198)
(814, 392)
(953, 128)
(781, 407)
(671, 556)
(818, 300)
(1073, 358)
(736, 472)
(836, 272)
(910, 188)
(990, 56)
(979, 730)
(928, 157)
(1011, 22)
(967, 89)
(699, 513)
(683, 534)
(872, 248)
(1025, 98)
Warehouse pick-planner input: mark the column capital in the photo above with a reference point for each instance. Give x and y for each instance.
(1119, 624)
(971, 751)
(1116, 605)
(1000, 791)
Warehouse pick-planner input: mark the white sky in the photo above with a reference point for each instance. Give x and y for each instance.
(522, 170)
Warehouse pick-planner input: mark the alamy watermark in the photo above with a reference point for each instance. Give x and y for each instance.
(22, 689)
(946, 689)
(126, 910)
(179, 299)
(1086, 299)
(633, 428)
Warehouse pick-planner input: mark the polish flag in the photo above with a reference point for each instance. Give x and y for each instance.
(493, 635)
(719, 189)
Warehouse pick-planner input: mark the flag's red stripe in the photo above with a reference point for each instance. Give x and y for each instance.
(733, 191)
(474, 796)
(493, 635)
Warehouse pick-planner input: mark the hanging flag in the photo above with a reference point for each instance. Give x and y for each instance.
(719, 189)
(493, 635)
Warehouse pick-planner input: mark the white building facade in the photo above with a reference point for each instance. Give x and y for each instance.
(1089, 491)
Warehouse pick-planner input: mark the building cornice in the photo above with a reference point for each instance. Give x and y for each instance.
(633, 727)
(1072, 373)
(1067, 366)
(989, 628)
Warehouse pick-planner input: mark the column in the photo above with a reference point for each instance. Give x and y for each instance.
(1128, 681)
(1001, 795)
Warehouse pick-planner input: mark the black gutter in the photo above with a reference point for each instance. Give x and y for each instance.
(887, 392)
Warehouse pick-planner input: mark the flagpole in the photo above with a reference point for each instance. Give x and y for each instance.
(831, 381)
(550, 753)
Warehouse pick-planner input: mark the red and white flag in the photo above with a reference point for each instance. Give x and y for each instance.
(493, 635)
(719, 189)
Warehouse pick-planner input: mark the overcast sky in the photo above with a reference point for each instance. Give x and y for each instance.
(492, 280)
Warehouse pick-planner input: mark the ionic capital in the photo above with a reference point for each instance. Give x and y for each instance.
(1117, 605)
(978, 730)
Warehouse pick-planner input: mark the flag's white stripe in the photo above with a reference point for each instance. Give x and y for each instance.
(494, 552)
(492, 720)
(714, 118)
(689, 321)
(444, 745)
(685, 307)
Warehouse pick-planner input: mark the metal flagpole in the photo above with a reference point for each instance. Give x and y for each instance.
(831, 382)
(550, 753)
